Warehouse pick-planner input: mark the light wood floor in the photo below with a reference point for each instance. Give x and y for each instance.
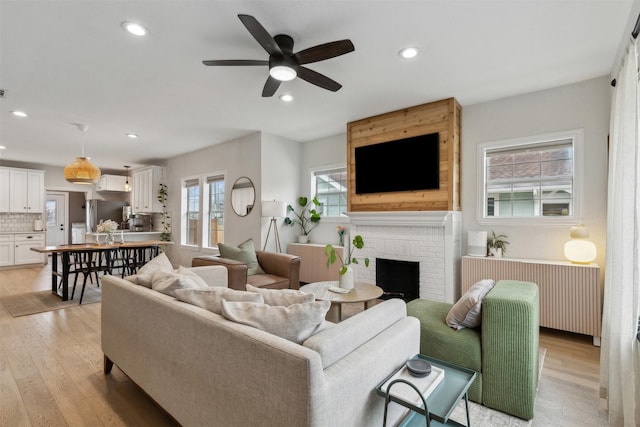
(51, 371)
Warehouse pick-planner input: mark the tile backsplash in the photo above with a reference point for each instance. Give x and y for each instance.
(17, 221)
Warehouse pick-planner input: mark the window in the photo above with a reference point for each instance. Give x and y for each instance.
(214, 233)
(203, 210)
(191, 217)
(330, 187)
(536, 178)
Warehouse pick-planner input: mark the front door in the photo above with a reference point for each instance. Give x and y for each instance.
(56, 219)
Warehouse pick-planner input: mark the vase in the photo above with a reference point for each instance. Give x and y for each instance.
(303, 238)
(495, 252)
(346, 279)
(110, 239)
(341, 239)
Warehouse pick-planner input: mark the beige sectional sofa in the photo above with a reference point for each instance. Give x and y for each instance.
(205, 370)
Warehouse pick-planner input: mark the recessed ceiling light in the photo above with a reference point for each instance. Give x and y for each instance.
(2, 147)
(19, 113)
(134, 28)
(131, 135)
(408, 52)
(286, 97)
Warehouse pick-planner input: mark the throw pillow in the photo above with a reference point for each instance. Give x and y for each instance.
(145, 274)
(467, 312)
(211, 298)
(245, 253)
(296, 322)
(192, 275)
(283, 297)
(168, 281)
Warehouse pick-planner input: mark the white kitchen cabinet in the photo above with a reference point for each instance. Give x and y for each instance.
(26, 190)
(23, 244)
(146, 184)
(6, 249)
(4, 189)
(111, 183)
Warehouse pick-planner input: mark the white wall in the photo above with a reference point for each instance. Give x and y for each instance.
(323, 153)
(237, 158)
(579, 106)
(281, 177)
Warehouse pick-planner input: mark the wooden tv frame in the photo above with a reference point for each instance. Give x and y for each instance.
(442, 117)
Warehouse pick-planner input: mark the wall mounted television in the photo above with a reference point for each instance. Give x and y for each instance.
(401, 165)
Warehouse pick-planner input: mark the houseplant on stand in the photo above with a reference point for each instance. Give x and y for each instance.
(308, 218)
(346, 272)
(497, 244)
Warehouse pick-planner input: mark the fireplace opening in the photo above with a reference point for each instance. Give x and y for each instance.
(398, 279)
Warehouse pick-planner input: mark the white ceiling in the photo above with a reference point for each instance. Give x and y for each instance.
(70, 62)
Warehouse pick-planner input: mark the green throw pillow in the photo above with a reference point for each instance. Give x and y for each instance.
(245, 253)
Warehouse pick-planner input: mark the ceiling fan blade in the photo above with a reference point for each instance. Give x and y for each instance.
(270, 87)
(324, 51)
(318, 79)
(260, 34)
(236, 62)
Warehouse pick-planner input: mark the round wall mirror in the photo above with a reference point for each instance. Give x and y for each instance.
(243, 196)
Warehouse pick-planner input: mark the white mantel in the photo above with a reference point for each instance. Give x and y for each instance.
(431, 238)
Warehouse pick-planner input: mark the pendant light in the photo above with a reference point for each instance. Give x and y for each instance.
(127, 186)
(81, 170)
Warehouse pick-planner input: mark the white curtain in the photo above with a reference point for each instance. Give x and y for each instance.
(620, 355)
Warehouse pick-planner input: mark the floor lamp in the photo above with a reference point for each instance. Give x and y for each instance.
(274, 209)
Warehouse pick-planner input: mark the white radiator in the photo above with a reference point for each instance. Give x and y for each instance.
(570, 294)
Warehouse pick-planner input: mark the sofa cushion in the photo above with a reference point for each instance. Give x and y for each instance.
(192, 275)
(296, 322)
(245, 253)
(167, 282)
(145, 273)
(467, 312)
(213, 275)
(282, 297)
(211, 298)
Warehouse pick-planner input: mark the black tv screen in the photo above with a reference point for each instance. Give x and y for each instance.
(401, 165)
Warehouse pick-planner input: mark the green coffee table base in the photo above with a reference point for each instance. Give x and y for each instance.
(442, 400)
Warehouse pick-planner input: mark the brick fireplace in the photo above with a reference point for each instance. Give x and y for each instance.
(432, 239)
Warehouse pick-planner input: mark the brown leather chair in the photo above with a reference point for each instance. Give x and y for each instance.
(282, 271)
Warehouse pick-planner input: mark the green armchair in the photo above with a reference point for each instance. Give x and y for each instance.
(503, 351)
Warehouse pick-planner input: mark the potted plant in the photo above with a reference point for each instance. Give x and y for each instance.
(346, 272)
(308, 218)
(497, 244)
(163, 195)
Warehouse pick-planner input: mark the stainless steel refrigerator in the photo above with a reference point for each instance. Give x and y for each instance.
(102, 210)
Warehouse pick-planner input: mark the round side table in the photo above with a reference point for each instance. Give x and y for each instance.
(361, 292)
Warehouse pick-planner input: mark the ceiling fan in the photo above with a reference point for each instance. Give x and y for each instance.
(283, 64)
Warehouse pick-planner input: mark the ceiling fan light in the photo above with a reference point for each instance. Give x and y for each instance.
(81, 171)
(282, 73)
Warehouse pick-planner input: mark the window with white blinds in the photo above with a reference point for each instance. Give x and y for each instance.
(536, 177)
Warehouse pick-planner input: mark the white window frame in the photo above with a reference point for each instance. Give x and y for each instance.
(312, 188)
(576, 135)
(206, 204)
(183, 211)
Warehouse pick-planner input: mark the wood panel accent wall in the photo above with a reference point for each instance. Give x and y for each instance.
(440, 116)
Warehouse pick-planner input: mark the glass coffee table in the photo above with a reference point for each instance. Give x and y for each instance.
(441, 401)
